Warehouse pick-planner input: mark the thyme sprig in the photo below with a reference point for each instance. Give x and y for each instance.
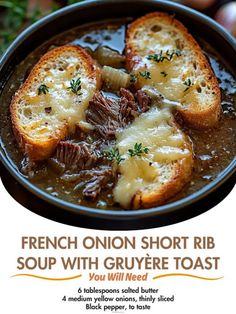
(133, 78)
(168, 55)
(113, 154)
(138, 150)
(164, 74)
(188, 83)
(75, 86)
(145, 74)
(43, 89)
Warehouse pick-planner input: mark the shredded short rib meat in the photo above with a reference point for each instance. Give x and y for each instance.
(144, 101)
(109, 114)
(75, 156)
(103, 114)
(100, 178)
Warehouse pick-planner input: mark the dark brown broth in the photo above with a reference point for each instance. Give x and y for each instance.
(214, 148)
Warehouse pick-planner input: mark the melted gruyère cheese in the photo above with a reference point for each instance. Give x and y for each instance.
(167, 77)
(166, 145)
(62, 105)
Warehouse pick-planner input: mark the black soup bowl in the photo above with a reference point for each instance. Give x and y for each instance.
(57, 209)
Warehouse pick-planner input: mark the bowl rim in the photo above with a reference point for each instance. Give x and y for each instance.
(116, 214)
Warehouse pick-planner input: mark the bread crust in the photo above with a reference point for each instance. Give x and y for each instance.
(181, 175)
(42, 149)
(195, 114)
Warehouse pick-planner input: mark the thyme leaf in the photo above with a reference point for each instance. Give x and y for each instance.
(75, 86)
(133, 78)
(145, 74)
(43, 89)
(113, 154)
(161, 56)
(188, 83)
(138, 150)
(163, 73)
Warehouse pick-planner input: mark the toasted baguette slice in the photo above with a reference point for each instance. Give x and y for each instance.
(183, 75)
(153, 177)
(42, 116)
